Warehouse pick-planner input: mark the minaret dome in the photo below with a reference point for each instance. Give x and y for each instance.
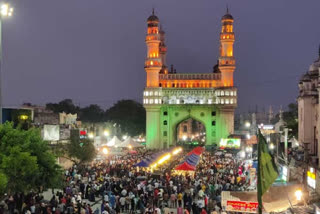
(153, 17)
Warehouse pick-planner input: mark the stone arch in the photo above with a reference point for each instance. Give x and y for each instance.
(184, 114)
(189, 133)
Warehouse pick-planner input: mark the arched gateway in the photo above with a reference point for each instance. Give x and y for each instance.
(170, 97)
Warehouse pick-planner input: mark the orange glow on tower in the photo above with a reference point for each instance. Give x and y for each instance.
(153, 61)
(226, 60)
(157, 71)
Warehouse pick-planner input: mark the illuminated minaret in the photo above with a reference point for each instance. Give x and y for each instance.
(226, 59)
(153, 62)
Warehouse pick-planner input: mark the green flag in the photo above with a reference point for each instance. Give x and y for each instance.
(267, 169)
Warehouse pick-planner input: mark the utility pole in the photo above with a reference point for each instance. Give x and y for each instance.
(286, 144)
(286, 130)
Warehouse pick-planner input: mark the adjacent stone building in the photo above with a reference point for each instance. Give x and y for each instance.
(308, 107)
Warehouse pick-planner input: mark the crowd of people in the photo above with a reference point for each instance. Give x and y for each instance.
(116, 185)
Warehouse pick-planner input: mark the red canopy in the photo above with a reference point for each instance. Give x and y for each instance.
(185, 167)
(198, 151)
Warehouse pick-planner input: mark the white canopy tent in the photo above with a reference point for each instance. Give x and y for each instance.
(114, 142)
(129, 142)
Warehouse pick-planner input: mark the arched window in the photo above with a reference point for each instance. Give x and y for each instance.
(165, 123)
(197, 102)
(160, 85)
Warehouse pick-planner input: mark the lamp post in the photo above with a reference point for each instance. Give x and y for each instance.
(298, 195)
(5, 11)
(286, 130)
(249, 151)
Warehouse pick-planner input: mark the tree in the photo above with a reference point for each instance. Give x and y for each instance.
(80, 150)
(92, 113)
(130, 115)
(26, 161)
(3, 182)
(65, 105)
(20, 168)
(290, 117)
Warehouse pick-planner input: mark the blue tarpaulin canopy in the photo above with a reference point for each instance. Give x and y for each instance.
(193, 161)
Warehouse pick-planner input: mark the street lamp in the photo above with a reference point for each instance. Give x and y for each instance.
(271, 146)
(249, 149)
(247, 124)
(90, 135)
(184, 137)
(298, 194)
(242, 154)
(106, 133)
(105, 151)
(5, 11)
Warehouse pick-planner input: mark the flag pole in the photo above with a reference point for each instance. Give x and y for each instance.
(259, 175)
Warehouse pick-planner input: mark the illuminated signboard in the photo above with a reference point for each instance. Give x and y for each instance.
(311, 178)
(242, 206)
(82, 132)
(283, 174)
(268, 127)
(229, 143)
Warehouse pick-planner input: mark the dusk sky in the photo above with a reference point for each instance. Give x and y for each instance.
(93, 51)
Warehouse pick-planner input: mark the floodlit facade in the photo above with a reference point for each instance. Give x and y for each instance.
(171, 98)
(308, 107)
